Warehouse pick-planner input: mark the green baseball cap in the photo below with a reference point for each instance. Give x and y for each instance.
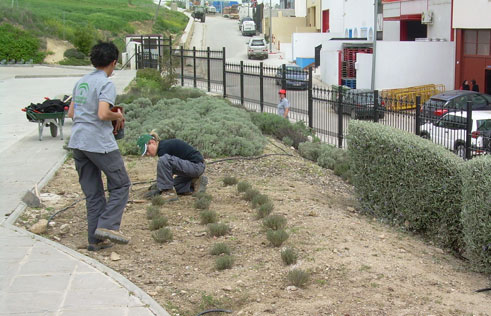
(142, 143)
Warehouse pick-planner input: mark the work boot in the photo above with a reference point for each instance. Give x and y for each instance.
(152, 187)
(113, 235)
(100, 245)
(169, 195)
(199, 184)
(151, 193)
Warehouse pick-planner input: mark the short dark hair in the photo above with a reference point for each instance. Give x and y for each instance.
(103, 54)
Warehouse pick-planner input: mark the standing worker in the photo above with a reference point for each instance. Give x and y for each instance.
(475, 86)
(284, 105)
(95, 149)
(176, 157)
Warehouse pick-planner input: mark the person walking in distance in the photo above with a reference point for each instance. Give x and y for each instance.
(465, 85)
(95, 149)
(180, 167)
(475, 86)
(284, 105)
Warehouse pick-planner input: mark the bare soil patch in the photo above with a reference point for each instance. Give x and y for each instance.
(58, 48)
(357, 265)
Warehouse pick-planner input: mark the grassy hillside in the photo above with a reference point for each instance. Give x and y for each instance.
(105, 19)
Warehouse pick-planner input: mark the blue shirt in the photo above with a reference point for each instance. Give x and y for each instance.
(89, 133)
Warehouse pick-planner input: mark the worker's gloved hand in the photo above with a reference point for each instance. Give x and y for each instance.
(152, 187)
(151, 193)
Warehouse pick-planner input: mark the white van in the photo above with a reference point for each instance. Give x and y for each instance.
(248, 28)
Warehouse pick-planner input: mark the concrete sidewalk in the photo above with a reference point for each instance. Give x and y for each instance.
(38, 276)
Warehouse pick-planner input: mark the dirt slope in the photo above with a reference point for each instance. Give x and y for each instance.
(358, 266)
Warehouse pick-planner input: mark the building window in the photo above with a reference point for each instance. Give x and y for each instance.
(477, 42)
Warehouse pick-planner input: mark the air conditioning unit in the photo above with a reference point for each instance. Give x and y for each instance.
(426, 17)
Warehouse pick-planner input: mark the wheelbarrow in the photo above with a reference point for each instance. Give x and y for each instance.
(54, 120)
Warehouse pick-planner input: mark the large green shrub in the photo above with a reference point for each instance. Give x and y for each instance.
(408, 181)
(207, 123)
(18, 44)
(327, 156)
(281, 128)
(84, 39)
(476, 212)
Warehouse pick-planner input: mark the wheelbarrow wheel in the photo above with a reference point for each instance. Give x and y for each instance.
(53, 129)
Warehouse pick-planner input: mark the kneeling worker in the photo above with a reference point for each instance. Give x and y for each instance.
(178, 158)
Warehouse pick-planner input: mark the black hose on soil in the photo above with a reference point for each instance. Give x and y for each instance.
(214, 311)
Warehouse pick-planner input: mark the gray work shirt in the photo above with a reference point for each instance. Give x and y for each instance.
(282, 106)
(89, 133)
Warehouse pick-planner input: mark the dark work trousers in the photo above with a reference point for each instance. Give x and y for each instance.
(185, 172)
(102, 213)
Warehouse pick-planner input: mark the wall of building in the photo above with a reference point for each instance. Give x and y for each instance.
(441, 9)
(314, 14)
(284, 27)
(300, 8)
(472, 16)
(336, 13)
(364, 71)
(303, 44)
(358, 16)
(396, 66)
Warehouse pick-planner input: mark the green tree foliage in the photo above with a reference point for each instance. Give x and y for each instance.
(84, 39)
(17, 44)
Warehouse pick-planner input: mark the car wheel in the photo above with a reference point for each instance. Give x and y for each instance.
(425, 135)
(460, 150)
(353, 114)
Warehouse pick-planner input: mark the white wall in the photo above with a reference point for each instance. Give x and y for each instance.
(468, 16)
(300, 8)
(336, 13)
(398, 64)
(303, 44)
(392, 31)
(404, 64)
(363, 67)
(358, 15)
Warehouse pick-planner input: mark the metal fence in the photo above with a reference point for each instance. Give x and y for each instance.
(329, 110)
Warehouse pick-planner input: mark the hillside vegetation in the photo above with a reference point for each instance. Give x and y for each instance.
(91, 19)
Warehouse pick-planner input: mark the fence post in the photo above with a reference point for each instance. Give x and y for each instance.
(136, 57)
(418, 115)
(160, 59)
(340, 117)
(170, 51)
(194, 66)
(261, 87)
(224, 74)
(149, 53)
(242, 82)
(182, 66)
(283, 76)
(468, 130)
(208, 67)
(310, 101)
(375, 106)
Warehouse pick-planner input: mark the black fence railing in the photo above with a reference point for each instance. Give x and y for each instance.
(329, 110)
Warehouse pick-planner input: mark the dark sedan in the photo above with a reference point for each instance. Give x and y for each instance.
(295, 77)
(358, 103)
(453, 101)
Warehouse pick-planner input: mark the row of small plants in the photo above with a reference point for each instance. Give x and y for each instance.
(215, 229)
(158, 222)
(275, 226)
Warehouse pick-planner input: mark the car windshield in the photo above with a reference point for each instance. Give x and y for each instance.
(452, 122)
(257, 43)
(361, 98)
(436, 103)
(293, 69)
(484, 125)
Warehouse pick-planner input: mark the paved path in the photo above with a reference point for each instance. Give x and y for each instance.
(38, 276)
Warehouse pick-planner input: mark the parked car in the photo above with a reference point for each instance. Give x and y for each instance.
(451, 101)
(296, 77)
(257, 48)
(212, 10)
(358, 103)
(246, 18)
(248, 28)
(450, 131)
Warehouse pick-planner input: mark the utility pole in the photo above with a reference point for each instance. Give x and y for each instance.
(374, 48)
(270, 28)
